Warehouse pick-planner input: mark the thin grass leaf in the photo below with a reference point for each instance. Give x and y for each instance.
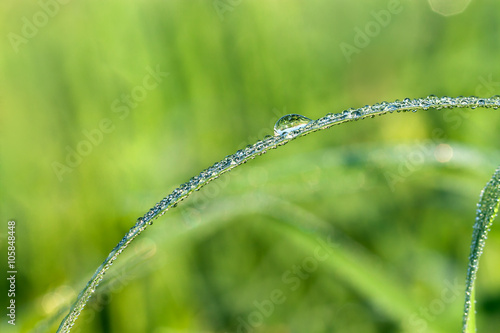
(286, 131)
(487, 210)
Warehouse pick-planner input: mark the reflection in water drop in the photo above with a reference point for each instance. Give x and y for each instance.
(290, 122)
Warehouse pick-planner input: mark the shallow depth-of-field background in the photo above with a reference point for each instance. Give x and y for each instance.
(106, 107)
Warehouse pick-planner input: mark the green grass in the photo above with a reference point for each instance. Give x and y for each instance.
(227, 79)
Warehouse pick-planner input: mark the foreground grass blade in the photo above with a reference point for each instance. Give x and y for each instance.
(287, 130)
(487, 210)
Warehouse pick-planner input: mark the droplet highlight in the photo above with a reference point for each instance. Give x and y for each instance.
(289, 123)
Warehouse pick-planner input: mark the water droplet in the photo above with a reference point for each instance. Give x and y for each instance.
(356, 114)
(290, 122)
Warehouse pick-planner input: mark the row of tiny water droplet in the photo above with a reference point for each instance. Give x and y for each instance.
(405, 105)
(293, 125)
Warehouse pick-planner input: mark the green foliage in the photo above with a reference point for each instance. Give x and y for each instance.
(229, 80)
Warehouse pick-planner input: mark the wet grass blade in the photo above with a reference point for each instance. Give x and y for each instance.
(487, 210)
(285, 131)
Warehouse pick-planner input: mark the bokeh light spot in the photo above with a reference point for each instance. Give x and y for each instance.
(449, 7)
(56, 299)
(443, 153)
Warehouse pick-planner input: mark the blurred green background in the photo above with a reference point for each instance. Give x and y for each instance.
(149, 93)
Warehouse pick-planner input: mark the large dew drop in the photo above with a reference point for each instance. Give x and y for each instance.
(290, 122)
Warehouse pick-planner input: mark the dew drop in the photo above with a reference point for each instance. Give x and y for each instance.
(290, 122)
(356, 114)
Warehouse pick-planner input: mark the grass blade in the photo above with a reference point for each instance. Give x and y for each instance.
(487, 210)
(252, 151)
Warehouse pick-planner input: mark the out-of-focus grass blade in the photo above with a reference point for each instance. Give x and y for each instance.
(346, 258)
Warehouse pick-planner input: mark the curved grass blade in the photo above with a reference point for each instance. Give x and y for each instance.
(487, 210)
(259, 148)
